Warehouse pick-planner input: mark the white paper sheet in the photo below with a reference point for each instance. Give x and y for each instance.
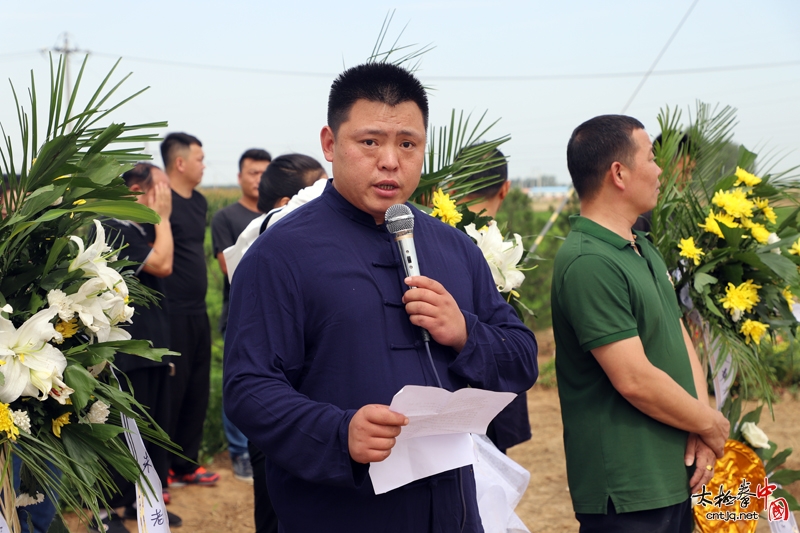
(436, 438)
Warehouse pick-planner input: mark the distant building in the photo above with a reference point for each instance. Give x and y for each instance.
(541, 188)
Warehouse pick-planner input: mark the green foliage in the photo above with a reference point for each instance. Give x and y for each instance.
(518, 216)
(213, 431)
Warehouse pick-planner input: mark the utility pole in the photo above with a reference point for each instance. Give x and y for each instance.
(65, 50)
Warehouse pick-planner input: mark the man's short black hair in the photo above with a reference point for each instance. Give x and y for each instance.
(141, 175)
(175, 142)
(595, 145)
(284, 178)
(499, 175)
(376, 82)
(256, 154)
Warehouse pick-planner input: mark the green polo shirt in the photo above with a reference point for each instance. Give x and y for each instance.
(603, 291)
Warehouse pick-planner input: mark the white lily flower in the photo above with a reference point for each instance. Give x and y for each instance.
(29, 364)
(94, 264)
(502, 256)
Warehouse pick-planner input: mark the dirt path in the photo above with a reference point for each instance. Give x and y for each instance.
(545, 507)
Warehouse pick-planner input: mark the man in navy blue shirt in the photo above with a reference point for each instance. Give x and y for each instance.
(323, 329)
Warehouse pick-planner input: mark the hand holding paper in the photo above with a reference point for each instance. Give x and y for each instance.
(436, 438)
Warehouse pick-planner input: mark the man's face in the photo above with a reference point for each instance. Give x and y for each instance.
(377, 155)
(250, 176)
(193, 164)
(644, 173)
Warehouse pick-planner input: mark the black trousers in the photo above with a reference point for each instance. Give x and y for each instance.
(676, 518)
(264, 514)
(151, 387)
(191, 336)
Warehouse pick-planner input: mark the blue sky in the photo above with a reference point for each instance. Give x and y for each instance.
(487, 56)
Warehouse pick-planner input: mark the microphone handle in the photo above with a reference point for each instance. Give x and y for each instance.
(408, 256)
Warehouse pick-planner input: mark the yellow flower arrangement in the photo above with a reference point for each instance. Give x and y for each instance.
(740, 299)
(7, 422)
(690, 250)
(743, 176)
(445, 208)
(59, 423)
(753, 330)
(734, 202)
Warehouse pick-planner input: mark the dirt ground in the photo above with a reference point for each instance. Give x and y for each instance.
(545, 507)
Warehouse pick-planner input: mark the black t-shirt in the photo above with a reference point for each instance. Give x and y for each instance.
(226, 226)
(186, 287)
(148, 323)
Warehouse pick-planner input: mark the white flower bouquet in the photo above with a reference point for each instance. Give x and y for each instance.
(63, 304)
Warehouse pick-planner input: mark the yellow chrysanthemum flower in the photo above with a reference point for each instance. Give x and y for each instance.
(760, 233)
(787, 293)
(743, 176)
(690, 250)
(445, 208)
(770, 215)
(712, 223)
(740, 299)
(59, 423)
(67, 329)
(753, 330)
(761, 203)
(734, 202)
(795, 249)
(7, 422)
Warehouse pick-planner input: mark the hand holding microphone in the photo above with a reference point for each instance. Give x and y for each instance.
(427, 302)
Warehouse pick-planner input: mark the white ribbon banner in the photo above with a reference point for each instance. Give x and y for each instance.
(150, 510)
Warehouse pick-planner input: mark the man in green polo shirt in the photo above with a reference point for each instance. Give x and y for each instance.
(639, 433)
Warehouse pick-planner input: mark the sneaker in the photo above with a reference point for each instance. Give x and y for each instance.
(111, 524)
(199, 477)
(242, 469)
(165, 497)
(173, 519)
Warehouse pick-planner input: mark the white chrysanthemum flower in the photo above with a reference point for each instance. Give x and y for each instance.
(25, 499)
(772, 239)
(754, 435)
(59, 299)
(502, 256)
(98, 413)
(21, 420)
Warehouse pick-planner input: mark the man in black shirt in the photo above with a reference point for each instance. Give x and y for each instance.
(190, 331)
(226, 226)
(151, 246)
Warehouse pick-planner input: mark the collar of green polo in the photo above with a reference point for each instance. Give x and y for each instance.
(584, 225)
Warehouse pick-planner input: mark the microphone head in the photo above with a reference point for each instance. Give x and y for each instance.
(399, 218)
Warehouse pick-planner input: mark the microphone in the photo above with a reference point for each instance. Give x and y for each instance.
(400, 222)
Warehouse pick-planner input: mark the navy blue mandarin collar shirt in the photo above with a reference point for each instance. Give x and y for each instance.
(317, 330)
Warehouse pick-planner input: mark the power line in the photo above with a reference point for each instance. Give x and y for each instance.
(659, 56)
(571, 191)
(537, 77)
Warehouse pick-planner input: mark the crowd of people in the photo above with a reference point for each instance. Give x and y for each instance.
(322, 328)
